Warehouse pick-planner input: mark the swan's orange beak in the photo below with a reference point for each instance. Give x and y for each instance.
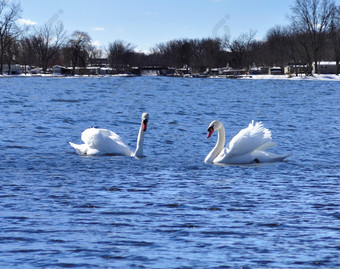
(145, 125)
(210, 130)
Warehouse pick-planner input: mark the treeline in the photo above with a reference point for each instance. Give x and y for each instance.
(312, 35)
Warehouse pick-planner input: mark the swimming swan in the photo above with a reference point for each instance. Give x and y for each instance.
(103, 141)
(248, 146)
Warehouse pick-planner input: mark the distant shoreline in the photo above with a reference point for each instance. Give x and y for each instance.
(323, 77)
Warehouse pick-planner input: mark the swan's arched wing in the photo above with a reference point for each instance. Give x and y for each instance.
(105, 141)
(92, 136)
(266, 146)
(253, 137)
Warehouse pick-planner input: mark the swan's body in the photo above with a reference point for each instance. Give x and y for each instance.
(248, 146)
(102, 141)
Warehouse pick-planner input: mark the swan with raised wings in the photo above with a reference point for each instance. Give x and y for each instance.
(248, 146)
(102, 141)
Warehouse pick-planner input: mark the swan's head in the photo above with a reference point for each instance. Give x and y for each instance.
(213, 126)
(145, 118)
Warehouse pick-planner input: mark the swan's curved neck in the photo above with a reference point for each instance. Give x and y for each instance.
(140, 139)
(218, 147)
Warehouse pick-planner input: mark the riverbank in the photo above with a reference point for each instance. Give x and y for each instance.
(324, 77)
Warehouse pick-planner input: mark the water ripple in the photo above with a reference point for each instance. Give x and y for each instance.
(63, 210)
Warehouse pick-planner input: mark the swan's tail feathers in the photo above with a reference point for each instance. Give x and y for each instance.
(80, 149)
(283, 157)
(279, 158)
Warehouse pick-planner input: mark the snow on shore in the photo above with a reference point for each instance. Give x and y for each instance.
(328, 77)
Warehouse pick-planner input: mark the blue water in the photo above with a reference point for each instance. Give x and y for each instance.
(169, 209)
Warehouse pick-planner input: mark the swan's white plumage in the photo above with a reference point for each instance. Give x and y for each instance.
(247, 146)
(102, 141)
(248, 139)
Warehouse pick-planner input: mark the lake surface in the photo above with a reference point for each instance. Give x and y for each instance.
(169, 209)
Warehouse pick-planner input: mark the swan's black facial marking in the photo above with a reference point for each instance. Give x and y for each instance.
(257, 160)
(210, 131)
(145, 124)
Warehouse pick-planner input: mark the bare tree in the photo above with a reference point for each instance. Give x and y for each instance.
(295, 50)
(175, 53)
(120, 54)
(27, 57)
(9, 30)
(277, 38)
(79, 46)
(47, 42)
(11, 52)
(95, 52)
(334, 32)
(212, 53)
(198, 54)
(311, 18)
(240, 49)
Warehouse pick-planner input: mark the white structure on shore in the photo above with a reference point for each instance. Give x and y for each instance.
(325, 67)
(16, 69)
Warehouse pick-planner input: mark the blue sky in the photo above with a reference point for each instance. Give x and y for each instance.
(146, 23)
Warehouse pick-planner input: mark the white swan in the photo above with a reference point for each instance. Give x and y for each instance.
(248, 146)
(103, 141)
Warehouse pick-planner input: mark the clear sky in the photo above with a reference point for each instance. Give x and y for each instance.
(145, 23)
